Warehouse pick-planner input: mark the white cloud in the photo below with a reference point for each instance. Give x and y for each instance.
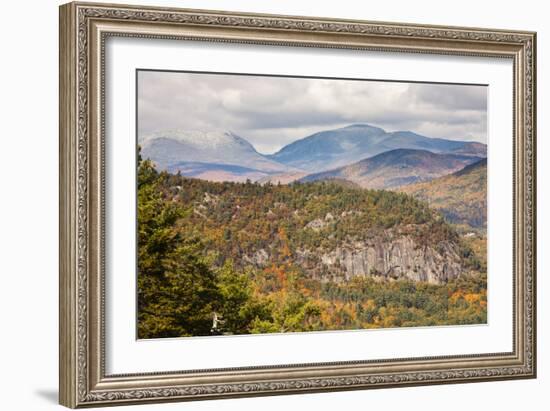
(273, 111)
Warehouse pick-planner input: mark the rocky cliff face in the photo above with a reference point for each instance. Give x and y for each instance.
(386, 257)
(399, 258)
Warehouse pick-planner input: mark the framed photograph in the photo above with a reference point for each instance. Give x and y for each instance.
(259, 204)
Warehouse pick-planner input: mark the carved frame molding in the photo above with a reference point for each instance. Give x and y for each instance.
(84, 27)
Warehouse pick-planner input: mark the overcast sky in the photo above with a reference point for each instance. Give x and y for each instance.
(271, 112)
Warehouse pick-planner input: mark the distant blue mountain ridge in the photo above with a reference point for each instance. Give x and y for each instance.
(225, 156)
(335, 148)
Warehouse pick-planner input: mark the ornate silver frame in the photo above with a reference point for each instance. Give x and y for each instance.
(83, 30)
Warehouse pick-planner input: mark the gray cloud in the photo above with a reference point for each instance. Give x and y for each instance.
(273, 111)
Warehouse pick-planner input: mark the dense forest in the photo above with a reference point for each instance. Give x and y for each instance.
(255, 257)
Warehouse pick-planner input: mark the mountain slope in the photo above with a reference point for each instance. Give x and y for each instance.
(330, 148)
(180, 150)
(325, 230)
(472, 149)
(396, 168)
(461, 197)
(336, 148)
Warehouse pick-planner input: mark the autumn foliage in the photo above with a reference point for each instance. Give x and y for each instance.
(194, 238)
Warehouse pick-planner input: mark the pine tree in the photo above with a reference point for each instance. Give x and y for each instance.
(177, 291)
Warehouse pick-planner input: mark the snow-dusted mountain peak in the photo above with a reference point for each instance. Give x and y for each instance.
(174, 149)
(206, 139)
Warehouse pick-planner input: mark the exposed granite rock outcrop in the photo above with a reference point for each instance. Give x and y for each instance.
(392, 260)
(385, 256)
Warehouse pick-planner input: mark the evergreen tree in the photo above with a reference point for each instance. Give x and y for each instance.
(177, 292)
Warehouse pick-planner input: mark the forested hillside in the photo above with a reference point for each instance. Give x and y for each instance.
(298, 257)
(461, 197)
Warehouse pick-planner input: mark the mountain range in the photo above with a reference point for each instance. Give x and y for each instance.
(396, 168)
(360, 153)
(336, 148)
